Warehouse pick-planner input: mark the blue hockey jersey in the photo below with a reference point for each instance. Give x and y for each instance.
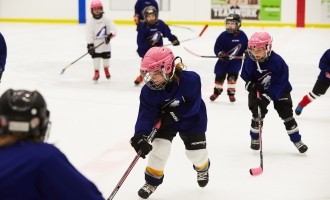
(324, 65)
(192, 110)
(3, 53)
(145, 31)
(234, 45)
(273, 77)
(39, 171)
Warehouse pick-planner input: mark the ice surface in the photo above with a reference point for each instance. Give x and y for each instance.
(92, 123)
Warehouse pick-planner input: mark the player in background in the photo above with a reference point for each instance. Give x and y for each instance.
(30, 168)
(232, 42)
(3, 55)
(100, 29)
(265, 72)
(151, 33)
(172, 95)
(322, 83)
(139, 7)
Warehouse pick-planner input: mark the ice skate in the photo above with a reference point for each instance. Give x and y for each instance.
(107, 73)
(138, 80)
(302, 148)
(255, 144)
(215, 94)
(96, 76)
(232, 98)
(203, 176)
(146, 190)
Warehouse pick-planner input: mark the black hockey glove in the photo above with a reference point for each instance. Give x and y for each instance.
(91, 49)
(223, 56)
(263, 101)
(175, 41)
(108, 38)
(169, 116)
(252, 86)
(246, 54)
(140, 143)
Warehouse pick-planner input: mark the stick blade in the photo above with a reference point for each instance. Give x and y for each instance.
(62, 72)
(203, 30)
(256, 171)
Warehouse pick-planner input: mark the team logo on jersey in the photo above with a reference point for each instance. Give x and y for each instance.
(101, 33)
(265, 80)
(234, 51)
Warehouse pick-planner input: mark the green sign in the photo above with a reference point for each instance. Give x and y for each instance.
(270, 10)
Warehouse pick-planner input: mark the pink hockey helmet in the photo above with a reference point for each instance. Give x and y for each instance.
(96, 4)
(158, 59)
(260, 40)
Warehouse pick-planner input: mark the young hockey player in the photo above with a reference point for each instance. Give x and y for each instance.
(232, 42)
(150, 34)
(172, 95)
(100, 30)
(322, 83)
(29, 167)
(3, 55)
(139, 7)
(266, 73)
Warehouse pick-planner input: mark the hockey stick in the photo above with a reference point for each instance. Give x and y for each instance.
(181, 27)
(257, 171)
(63, 70)
(195, 54)
(200, 34)
(149, 139)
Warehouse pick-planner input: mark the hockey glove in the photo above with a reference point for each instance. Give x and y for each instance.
(108, 38)
(91, 49)
(136, 19)
(140, 143)
(153, 39)
(252, 86)
(175, 41)
(169, 116)
(263, 101)
(223, 56)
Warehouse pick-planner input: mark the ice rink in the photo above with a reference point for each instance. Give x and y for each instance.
(92, 123)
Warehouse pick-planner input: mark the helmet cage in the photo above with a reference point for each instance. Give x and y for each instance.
(167, 76)
(233, 18)
(96, 4)
(149, 10)
(260, 40)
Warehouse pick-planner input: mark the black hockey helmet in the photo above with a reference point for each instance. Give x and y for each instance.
(233, 18)
(148, 11)
(24, 112)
